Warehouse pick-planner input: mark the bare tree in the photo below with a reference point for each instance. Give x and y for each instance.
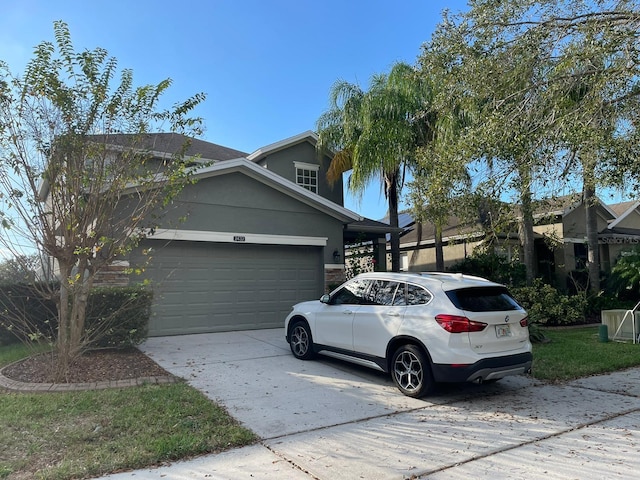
(79, 183)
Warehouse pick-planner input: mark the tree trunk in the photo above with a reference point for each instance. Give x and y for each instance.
(591, 205)
(62, 342)
(391, 180)
(438, 247)
(78, 311)
(72, 308)
(525, 232)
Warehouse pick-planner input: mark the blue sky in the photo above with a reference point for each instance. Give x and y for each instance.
(266, 65)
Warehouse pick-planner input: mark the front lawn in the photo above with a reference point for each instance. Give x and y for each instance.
(84, 434)
(577, 352)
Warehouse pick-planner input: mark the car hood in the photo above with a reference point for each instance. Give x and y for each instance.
(310, 305)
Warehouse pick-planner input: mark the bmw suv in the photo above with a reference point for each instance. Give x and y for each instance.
(422, 328)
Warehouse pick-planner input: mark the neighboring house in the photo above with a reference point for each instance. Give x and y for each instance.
(560, 238)
(261, 232)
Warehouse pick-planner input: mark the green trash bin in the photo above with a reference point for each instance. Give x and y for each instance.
(603, 333)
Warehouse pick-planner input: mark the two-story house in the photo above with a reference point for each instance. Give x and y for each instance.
(255, 234)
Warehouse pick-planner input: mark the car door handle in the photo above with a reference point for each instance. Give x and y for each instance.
(393, 314)
(347, 312)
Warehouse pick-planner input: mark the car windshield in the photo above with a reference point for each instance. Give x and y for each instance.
(483, 299)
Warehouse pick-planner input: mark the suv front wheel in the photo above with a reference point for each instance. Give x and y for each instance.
(300, 341)
(411, 372)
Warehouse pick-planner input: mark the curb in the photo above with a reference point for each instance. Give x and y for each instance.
(24, 387)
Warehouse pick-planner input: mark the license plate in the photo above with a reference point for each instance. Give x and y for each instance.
(503, 330)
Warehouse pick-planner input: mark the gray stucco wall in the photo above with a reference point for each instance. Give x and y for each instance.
(282, 163)
(239, 204)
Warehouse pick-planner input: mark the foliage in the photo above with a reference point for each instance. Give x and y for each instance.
(375, 133)
(117, 317)
(553, 87)
(19, 270)
(546, 306)
(597, 303)
(361, 259)
(437, 191)
(624, 279)
(536, 334)
(494, 267)
(26, 314)
(78, 179)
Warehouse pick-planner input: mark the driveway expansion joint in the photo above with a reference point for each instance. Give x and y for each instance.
(533, 441)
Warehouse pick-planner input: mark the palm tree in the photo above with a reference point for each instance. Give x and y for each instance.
(375, 134)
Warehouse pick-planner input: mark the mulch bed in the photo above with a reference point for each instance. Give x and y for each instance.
(98, 366)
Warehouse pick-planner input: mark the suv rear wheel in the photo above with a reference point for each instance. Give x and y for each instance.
(411, 372)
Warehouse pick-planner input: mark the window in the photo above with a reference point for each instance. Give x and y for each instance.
(483, 299)
(401, 296)
(381, 292)
(307, 176)
(417, 295)
(351, 293)
(580, 253)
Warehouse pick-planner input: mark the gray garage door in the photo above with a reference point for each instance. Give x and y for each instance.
(206, 287)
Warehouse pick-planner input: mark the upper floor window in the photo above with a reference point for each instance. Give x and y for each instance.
(307, 176)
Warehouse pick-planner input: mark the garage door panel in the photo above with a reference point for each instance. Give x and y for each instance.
(205, 287)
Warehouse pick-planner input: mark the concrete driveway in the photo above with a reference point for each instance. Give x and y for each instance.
(324, 419)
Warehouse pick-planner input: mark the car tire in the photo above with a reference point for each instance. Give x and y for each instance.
(301, 341)
(411, 371)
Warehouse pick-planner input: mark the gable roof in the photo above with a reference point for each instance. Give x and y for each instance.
(262, 152)
(166, 144)
(281, 184)
(556, 205)
(624, 208)
(630, 209)
(455, 229)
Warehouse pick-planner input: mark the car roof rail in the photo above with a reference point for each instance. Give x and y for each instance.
(454, 276)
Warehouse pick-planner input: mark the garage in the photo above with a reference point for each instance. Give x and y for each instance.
(213, 287)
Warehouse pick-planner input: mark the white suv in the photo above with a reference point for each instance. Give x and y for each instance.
(423, 328)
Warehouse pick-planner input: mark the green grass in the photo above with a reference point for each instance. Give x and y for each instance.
(577, 352)
(13, 353)
(83, 434)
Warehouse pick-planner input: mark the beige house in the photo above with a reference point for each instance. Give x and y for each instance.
(560, 238)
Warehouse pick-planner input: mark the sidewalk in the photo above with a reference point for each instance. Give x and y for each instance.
(326, 420)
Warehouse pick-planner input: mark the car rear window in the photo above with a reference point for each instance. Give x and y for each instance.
(483, 299)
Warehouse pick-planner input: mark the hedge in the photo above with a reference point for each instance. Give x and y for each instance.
(117, 317)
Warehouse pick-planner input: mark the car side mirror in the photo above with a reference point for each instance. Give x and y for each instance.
(326, 298)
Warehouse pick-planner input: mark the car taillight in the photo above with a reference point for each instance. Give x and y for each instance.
(458, 324)
(524, 322)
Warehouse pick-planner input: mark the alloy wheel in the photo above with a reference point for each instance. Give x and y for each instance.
(408, 371)
(299, 341)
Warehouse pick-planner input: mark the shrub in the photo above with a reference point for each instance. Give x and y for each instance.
(547, 306)
(116, 317)
(597, 303)
(624, 279)
(37, 314)
(493, 267)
